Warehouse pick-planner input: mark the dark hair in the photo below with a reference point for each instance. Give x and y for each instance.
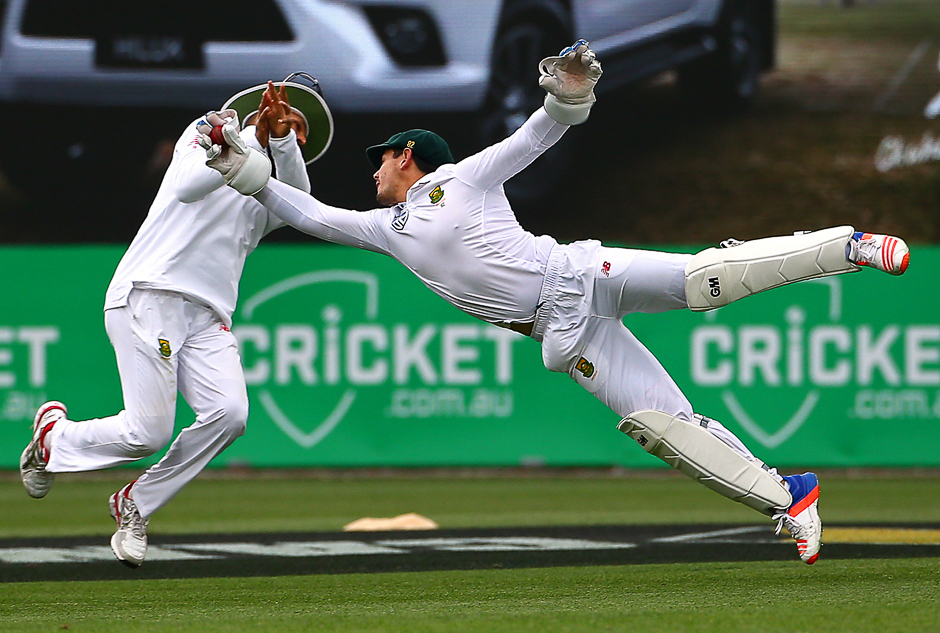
(421, 164)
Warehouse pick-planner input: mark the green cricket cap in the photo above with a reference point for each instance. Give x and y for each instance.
(426, 145)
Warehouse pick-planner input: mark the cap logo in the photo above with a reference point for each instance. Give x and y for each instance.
(410, 144)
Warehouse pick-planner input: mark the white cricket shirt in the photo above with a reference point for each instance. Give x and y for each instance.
(455, 231)
(198, 231)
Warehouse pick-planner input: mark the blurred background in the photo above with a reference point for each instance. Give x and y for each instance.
(714, 119)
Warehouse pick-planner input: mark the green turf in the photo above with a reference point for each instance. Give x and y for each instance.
(214, 503)
(879, 596)
(833, 595)
(903, 20)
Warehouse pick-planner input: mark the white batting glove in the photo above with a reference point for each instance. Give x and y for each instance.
(569, 79)
(244, 169)
(212, 120)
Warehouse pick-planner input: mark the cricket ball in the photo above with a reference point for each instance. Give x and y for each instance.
(216, 135)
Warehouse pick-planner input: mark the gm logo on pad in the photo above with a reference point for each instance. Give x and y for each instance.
(714, 287)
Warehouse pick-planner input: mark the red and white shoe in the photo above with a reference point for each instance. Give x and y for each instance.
(802, 518)
(129, 542)
(36, 478)
(885, 252)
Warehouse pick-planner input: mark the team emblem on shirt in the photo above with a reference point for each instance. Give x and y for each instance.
(401, 216)
(436, 195)
(164, 347)
(585, 366)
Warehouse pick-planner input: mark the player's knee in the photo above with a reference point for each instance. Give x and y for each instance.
(232, 416)
(151, 437)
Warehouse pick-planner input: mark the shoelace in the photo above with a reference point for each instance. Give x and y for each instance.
(797, 530)
(38, 458)
(856, 253)
(33, 461)
(130, 518)
(863, 250)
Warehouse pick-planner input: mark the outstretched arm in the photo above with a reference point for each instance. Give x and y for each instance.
(498, 163)
(569, 80)
(248, 171)
(307, 214)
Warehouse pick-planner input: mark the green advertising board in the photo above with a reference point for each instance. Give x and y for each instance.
(350, 361)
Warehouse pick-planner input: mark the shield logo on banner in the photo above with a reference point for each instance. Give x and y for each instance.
(329, 414)
(795, 410)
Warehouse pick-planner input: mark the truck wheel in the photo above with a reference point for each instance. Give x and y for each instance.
(528, 31)
(727, 80)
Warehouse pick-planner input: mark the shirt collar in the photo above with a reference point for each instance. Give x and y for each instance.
(420, 183)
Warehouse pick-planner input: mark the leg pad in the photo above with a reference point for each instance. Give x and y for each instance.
(717, 276)
(695, 452)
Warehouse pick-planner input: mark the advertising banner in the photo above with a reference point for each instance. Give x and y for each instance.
(350, 361)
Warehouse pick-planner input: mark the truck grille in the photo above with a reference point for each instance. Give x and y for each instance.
(241, 21)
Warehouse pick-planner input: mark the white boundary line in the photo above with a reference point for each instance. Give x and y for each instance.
(700, 536)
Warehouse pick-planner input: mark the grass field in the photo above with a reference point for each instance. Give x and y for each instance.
(880, 596)
(273, 503)
(852, 596)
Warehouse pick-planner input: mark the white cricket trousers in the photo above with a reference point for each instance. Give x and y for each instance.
(163, 343)
(588, 290)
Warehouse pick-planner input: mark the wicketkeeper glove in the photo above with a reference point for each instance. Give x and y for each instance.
(244, 169)
(569, 80)
(212, 120)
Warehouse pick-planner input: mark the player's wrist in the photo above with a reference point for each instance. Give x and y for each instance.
(568, 113)
(253, 138)
(253, 174)
(290, 136)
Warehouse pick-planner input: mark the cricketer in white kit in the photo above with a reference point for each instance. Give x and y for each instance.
(168, 313)
(451, 224)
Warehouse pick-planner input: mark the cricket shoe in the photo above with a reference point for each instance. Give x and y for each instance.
(802, 518)
(129, 543)
(36, 478)
(884, 252)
